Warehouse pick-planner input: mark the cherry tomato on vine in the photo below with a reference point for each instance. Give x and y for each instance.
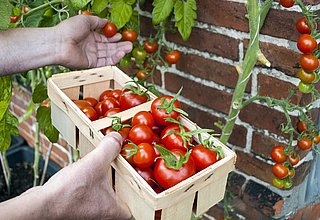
(287, 183)
(150, 46)
(142, 75)
(305, 144)
(303, 26)
(25, 9)
(279, 183)
(280, 171)
(302, 126)
(309, 62)
(294, 158)
(167, 177)
(305, 87)
(46, 104)
(125, 62)
(141, 134)
(286, 3)
(173, 57)
(92, 101)
(203, 157)
(143, 118)
(14, 19)
(110, 29)
(278, 155)
(292, 172)
(86, 12)
(145, 155)
(90, 113)
(139, 54)
(305, 77)
(129, 35)
(316, 139)
(307, 44)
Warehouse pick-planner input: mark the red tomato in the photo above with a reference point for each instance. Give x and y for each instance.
(160, 114)
(129, 35)
(108, 104)
(174, 141)
(302, 126)
(157, 129)
(25, 9)
(278, 155)
(168, 177)
(126, 152)
(115, 93)
(147, 175)
(141, 134)
(280, 171)
(82, 104)
(156, 139)
(150, 46)
(145, 155)
(143, 118)
(90, 113)
(92, 101)
(112, 111)
(286, 3)
(142, 75)
(129, 100)
(44, 103)
(294, 158)
(173, 57)
(316, 139)
(110, 29)
(203, 157)
(307, 44)
(98, 109)
(309, 62)
(14, 19)
(305, 144)
(303, 26)
(86, 12)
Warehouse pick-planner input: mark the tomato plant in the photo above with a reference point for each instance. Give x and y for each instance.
(110, 29)
(139, 54)
(302, 126)
(129, 35)
(303, 26)
(142, 75)
(305, 87)
(294, 158)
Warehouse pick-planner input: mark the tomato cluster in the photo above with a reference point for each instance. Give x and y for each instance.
(17, 12)
(308, 45)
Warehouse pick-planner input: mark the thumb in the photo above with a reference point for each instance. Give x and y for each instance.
(96, 22)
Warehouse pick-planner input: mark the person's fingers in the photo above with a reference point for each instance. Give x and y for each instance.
(100, 38)
(115, 58)
(114, 38)
(96, 22)
(125, 46)
(101, 62)
(123, 210)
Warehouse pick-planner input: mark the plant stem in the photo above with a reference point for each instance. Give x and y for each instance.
(45, 166)
(36, 156)
(6, 170)
(256, 20)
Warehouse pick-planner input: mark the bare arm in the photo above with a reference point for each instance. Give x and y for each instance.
(79, 191)
(74, 43)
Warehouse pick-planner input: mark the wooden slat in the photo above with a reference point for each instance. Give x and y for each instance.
(73, 92)
(94, 90)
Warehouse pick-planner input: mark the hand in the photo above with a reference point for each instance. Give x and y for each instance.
(83, 47)
(83, 191)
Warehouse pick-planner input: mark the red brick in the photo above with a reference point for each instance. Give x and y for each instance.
(146, 28)
(282, 24)
(281, 58)
(219, 100)
(263, 117)
(254, 167)
(203, 40)
(211, 70)
(223, 13)
(276, 88)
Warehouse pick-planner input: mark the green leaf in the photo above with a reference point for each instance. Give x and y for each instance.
(28, 112)
(45, 124)
(34, 19)
(161, 10)
(8, 126)
(99, 5)
(185, 15)
(40, 93)
(121, 11)
(79, 4)
(5, 12)
(50, 21)
(5, 94)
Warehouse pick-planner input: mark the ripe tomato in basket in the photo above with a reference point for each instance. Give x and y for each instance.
(173, 137)
(92, 101)
(167, 175)
(141, 134)
(114, 93)
(129, 99)
(143, 117)
(90, 113)
(147, 175)
(144, 156)
(204, 157)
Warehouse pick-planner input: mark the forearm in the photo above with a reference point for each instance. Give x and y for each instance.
(23, 49)
(33, 204)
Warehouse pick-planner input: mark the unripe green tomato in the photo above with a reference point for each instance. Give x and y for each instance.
(287, 183)
(139, 55)
(279, 183)
(125, 62)
(305, 88)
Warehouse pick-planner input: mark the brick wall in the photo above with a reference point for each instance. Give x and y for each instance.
(207, 73)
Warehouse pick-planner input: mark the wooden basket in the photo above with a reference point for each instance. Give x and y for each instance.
(197, 193)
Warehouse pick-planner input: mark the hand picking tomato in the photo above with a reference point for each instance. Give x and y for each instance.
(144, 156)
(203, 157)
(131, 98)
(129, 35)
(307, 44)
(144, 118)
(173, 137)
(141, 134)
(173, 57)
(110, 29)
(168, 175)
(280, 171)
(277, 154)
(150, 46)
(114, 93)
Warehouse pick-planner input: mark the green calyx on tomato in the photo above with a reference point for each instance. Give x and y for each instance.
(208, 143)
(116, 123)
(170, 160)
(136, 90)
(169, 107)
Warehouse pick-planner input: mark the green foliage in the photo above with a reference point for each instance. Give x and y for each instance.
(45, 124)
(121, 11)
(40, 93)
(5, 94)
(99, 5)
(79, 4)
(5, 12)
(8, 126)
(161, 10)
(185, 15)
